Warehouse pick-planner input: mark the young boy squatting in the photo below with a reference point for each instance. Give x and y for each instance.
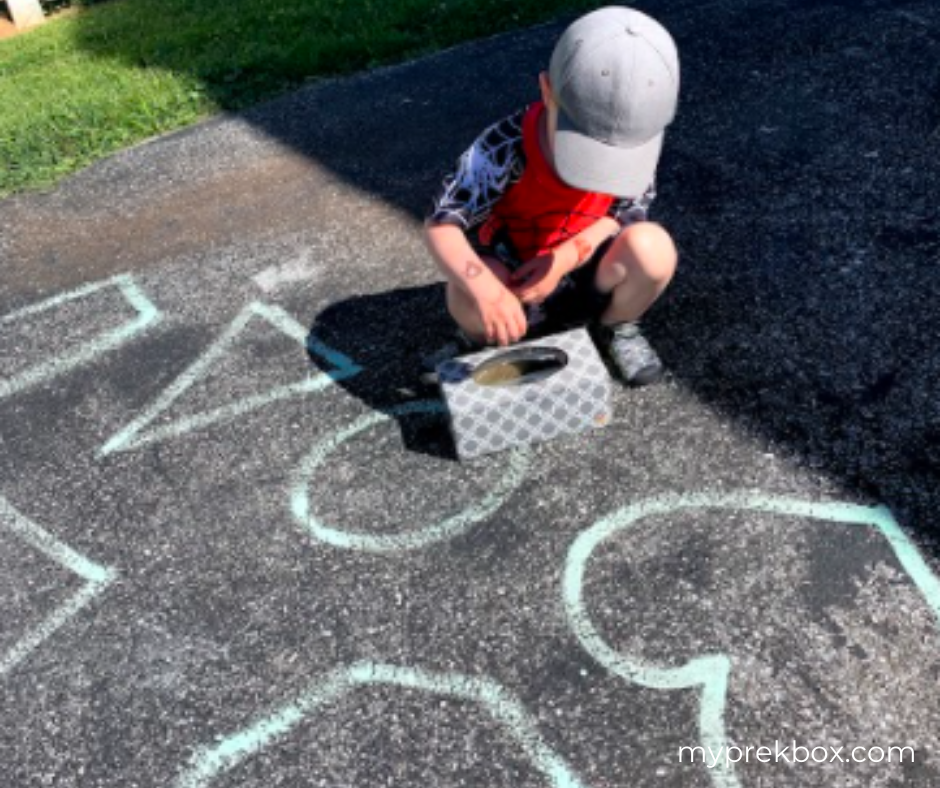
(543, 225)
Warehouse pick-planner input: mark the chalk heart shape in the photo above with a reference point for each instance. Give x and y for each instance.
(710, 673)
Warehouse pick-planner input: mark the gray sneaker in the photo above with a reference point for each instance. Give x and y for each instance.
(460, 345)
(632, 355)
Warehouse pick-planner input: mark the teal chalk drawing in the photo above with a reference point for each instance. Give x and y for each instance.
(710, 673)
(96, 578)
(500, 704)
(136, 433)
(391, 543)
(147, 315)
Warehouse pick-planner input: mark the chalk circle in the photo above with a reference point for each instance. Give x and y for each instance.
(337, 536)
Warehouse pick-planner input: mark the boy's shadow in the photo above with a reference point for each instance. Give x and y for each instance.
(382, 335)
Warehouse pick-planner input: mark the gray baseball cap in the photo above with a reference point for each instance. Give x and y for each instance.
(615, 76)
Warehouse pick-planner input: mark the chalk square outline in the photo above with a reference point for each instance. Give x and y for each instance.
(147, 314)
(97, 579)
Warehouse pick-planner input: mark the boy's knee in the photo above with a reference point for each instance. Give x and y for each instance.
(648, 246)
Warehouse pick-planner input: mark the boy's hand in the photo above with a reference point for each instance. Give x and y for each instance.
(537, 279)
(502, 316)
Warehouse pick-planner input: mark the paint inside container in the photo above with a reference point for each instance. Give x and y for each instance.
(520, 366)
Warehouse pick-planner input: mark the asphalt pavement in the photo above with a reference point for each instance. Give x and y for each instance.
(236, 548)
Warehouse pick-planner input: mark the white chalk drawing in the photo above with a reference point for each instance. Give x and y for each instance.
(72, 357)
(710, 673)
(210, 762)
(96, 578)
(390, 543)
(707, 673)
(139, 432)
(303, 268)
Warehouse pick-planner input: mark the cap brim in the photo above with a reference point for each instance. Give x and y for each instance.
(585, 163)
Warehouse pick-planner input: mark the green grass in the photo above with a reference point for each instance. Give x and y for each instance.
(92, 82)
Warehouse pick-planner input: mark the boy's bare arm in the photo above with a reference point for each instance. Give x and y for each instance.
(538, 278)
(459, 262)
(576, 251)
(499, 310)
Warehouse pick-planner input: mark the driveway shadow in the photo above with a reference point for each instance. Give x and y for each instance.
(380, 331)
(799, 181)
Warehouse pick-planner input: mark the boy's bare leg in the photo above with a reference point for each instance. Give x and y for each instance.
(637, 269)
(464, 311)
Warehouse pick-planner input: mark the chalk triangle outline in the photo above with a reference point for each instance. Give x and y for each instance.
(136, 433)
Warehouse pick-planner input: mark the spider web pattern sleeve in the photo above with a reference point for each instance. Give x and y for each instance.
(628, 210)
(484, 172)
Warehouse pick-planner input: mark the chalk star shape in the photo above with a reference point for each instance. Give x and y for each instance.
(208, 763)
(96, 578)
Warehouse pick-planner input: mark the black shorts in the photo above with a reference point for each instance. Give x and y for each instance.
(575, 302)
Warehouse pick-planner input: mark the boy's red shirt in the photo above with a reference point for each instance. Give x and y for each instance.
(540, 211)
(503, 192)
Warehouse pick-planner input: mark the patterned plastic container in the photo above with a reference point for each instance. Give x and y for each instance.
(566, 391)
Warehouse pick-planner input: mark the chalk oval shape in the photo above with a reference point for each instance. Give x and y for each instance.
(448, 528)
